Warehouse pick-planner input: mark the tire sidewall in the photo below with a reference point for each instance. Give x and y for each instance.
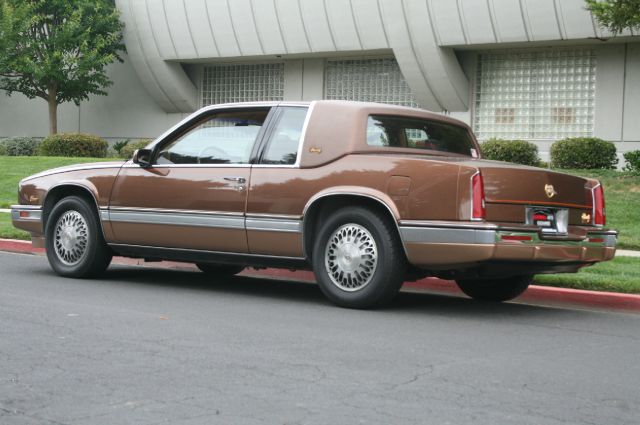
(94, 239)
(384, 283)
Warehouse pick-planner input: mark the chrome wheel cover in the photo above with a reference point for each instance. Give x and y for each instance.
(70, 238)
(351, 257)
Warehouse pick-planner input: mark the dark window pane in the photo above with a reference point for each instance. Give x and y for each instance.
(283, 145)
(415, 133)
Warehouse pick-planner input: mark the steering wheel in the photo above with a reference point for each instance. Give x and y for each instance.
(213, 150)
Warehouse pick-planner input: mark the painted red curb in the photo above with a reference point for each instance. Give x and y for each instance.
(535, 294)
(14, 245)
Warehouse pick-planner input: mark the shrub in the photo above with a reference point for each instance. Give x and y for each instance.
(583, 152)
(517, 151)
(117, 146)
(127, 151)
(20, 146)
(633, 162)
(74, 145)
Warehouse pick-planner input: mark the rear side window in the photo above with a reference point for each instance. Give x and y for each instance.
(403, 132)
(282, 148)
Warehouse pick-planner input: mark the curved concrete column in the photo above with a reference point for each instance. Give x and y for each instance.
(165, 81)
(160, 33)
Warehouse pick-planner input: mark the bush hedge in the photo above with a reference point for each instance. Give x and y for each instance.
(20, 146)
(516, 151)
(584, 153)
(633, 162)
(127, 151)
(74, 145)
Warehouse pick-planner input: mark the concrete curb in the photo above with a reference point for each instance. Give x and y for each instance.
(534, 295)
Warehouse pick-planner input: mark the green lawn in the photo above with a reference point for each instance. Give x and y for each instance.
(7, 231)
(622, 274)
(15, 168)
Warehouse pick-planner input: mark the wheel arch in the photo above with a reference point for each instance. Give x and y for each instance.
(335, 198)
(62, 190)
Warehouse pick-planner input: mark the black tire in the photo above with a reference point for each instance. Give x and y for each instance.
(95, 254)
(496, 290)
(219, 269)
(374, 283)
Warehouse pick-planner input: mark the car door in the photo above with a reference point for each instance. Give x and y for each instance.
(193, 195)
(274, 216)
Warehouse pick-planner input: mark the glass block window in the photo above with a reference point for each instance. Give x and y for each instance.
(242, 83)
(533, 95)
(367, 80)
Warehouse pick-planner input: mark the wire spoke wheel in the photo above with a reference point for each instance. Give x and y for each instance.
(71, 237)
(351, 257)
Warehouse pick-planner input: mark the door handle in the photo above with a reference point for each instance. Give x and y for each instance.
(236, 179)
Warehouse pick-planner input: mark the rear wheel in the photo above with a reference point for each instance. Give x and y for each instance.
(496, 290)
(358, 259)
(219, 269)
(73, 238)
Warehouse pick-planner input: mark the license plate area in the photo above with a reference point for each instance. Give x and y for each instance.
(551, 221)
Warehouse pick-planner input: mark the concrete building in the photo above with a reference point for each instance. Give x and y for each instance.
(538, 70)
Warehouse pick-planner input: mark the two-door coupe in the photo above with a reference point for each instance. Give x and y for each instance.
(366, 195)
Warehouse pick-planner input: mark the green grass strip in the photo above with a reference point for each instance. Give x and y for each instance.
(622, 274)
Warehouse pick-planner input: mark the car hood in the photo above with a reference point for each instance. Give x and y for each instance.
(76, 167)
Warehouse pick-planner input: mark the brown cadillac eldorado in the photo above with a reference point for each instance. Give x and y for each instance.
(366, 195)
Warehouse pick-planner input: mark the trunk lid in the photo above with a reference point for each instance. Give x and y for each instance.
(514, 192)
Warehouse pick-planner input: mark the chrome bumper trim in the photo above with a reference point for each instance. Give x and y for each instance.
(34, 213)
(482, 235)
(450, 235)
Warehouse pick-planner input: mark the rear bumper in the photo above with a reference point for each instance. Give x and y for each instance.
(450, 245)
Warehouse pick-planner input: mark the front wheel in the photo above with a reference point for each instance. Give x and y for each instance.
(358, 259)
(74, 242)
(496, 290)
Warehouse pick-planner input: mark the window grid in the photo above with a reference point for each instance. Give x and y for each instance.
(367, 80)
(242, 83)
(533, 95)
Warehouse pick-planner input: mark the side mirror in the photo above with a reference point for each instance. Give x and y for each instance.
(142, 157)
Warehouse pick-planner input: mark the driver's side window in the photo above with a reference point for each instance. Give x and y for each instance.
(223, 138)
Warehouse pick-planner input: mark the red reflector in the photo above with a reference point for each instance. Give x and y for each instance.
(541, 217)
(596, 240)
(515, 238)
(24, 214)
(478, 211)
(599, 217)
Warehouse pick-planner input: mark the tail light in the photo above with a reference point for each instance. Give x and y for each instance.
(599, 216)
(478, 211)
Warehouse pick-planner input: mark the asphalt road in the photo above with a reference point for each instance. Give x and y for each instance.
(148, 346)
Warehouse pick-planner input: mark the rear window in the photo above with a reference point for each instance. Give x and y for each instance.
(403, 132)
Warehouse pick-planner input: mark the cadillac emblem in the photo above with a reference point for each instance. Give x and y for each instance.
(586, 218)
(549, 190)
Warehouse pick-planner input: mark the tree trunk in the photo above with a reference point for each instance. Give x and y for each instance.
(53, 110)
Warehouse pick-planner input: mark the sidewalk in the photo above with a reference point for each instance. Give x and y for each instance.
(538, 295)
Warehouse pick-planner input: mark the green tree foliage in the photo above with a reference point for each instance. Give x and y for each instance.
(58, 49)
(617, 15)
